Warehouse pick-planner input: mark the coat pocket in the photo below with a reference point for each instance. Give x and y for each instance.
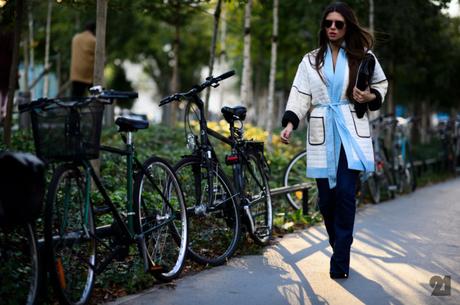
(316, 131)
(361, 126)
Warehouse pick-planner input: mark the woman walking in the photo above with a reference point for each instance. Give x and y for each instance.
(339, 143)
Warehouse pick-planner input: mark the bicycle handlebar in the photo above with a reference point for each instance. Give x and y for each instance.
(210, 81)
(97, 93)
(112, 94)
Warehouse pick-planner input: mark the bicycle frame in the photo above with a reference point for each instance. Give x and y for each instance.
(204, 150)
(208, 154)
(128, 234)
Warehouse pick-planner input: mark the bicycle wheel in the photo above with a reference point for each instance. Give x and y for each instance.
(70, 236)
(257, 200)
(20, 270)
(161, 217)
(405, 177)
(214, 227)
(296, 173)
(373, 187)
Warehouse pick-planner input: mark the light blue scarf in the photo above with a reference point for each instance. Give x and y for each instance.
(337, 131)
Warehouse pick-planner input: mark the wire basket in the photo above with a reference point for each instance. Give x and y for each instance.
(68, 131)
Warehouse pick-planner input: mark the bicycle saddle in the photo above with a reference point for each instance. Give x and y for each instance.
(232, 114)
(126, 124)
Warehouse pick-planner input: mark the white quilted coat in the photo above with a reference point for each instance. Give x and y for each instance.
(310, 94)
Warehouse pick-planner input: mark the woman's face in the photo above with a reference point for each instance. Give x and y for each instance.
(335, 27)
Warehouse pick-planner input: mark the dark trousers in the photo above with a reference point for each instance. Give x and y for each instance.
(338, 207)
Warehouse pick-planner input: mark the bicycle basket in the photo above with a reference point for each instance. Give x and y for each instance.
(68, 131)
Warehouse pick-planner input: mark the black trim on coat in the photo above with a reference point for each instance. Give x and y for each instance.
(379, 81)
(356, 128)
(290, 116)
(324, 131)
(376, 103)
(298, 90)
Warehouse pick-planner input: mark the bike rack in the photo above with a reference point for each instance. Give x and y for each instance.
(304, 187)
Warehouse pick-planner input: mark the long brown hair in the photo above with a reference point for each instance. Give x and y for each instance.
(357, 41)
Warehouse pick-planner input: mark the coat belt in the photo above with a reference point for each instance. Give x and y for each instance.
(335, 120)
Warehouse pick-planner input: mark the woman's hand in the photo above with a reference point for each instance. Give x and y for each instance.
(363, 96)
(286, 133)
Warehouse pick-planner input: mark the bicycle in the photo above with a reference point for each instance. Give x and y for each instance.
(401, 157)
(214, 204)
(381, 178)
(22, 188)
(155, 217)
(296, 173)
(451, 143)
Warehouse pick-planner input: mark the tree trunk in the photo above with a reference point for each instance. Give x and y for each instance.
(213, 51)
(425, 122)
(170, 110)
(47, 48)
(24, 118)
(99, 59)
(31, 41)
(223, 53)
(371, 16)
(175, 82)
(13, 72)
(271, 83)
(390, 107)
(246, 79)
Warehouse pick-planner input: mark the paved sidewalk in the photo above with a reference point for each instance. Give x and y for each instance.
(399, 246)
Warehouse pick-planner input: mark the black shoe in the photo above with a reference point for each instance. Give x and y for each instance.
(339, 275)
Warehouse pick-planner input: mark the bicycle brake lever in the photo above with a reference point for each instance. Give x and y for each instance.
(95, 90)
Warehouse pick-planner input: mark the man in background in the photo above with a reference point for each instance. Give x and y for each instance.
(82, 61)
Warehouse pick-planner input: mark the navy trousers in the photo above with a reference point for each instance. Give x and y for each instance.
(338, 207)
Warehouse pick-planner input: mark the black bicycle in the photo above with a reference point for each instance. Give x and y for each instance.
(75, 225)
(379, 183)
(214, 204)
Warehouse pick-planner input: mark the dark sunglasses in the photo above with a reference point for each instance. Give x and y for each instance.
(338, 24)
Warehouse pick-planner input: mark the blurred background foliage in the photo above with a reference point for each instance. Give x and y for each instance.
(417, 43)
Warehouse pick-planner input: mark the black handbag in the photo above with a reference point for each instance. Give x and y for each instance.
(22, 188)
(363, 79)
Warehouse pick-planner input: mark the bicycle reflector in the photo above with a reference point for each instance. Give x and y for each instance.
(231, 159)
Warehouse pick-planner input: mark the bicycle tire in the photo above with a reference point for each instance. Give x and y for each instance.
(388, 185)
(214, 228)
(70, 236)
(192, 118)
(406, 178)
(258, 200)
(373, 188)
(20, 267)
(158, 200)
(296, 173)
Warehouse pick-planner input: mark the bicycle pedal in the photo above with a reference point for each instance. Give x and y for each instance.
(263, 231)
(156, 268)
